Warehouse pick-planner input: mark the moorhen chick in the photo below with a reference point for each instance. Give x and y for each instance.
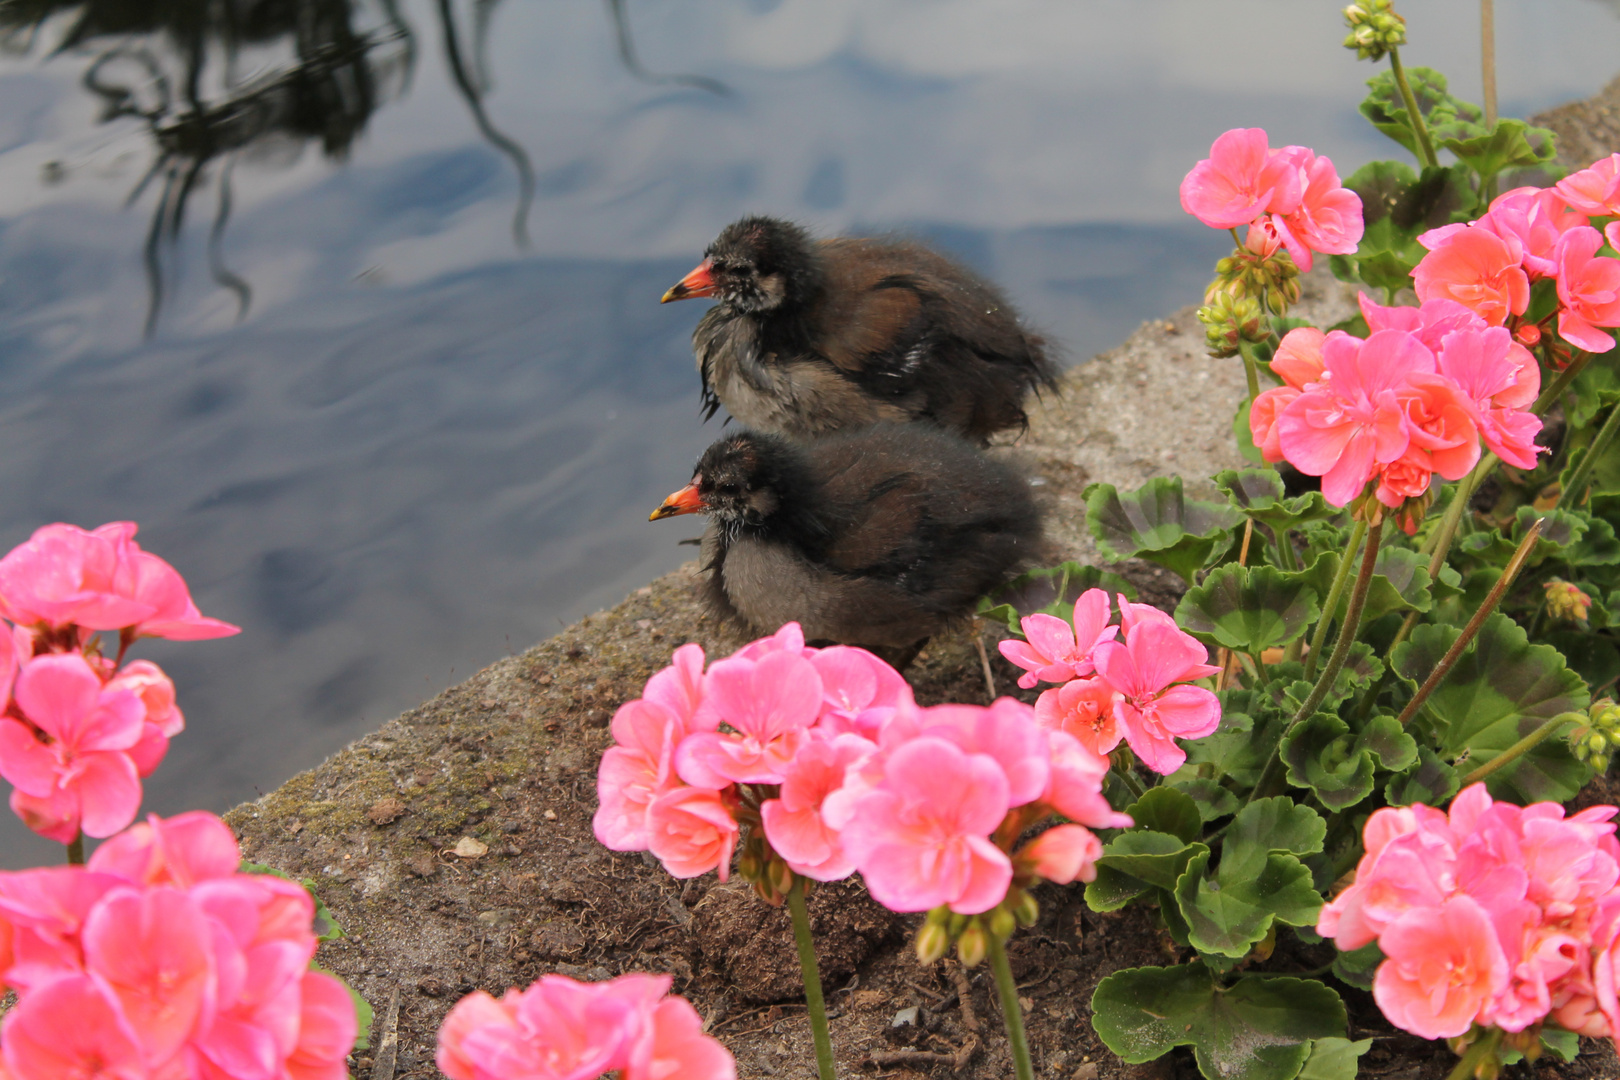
(878, 537)
(811, 337)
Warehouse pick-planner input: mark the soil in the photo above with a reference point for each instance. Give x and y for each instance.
(454, 845)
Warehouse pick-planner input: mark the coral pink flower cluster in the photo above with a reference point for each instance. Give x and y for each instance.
(1127, 682)
(559, 1029)
(77, 731)
(1493, 914)
(1527, 235)
(826, 749)
(1290, 194)
(159, 961)
(1416, 397)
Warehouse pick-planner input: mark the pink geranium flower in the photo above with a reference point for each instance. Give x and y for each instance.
(163, 718)
(1075, 787)
(793, 821)
(1055, 650)
(1534, 219)
(1145, 672)
(182, 851)
(1083, 708)
(1501, 378)
(1443, 965)
(1241, 179)
(1328, 218)
(326, 1029)
(1063, 854)
(921, 837)
(1352, 423)
(691, 831)
(75, 773)
(673, 1045)
(1588, 290)
(1430, 322)
(635, 771)
(71, 1028)
(1004, 731)
(770, 703)
(1594, 190)
(1477, 269)
(1440, 421)
(859, 691)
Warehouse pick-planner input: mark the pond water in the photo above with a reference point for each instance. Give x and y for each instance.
(353, 304)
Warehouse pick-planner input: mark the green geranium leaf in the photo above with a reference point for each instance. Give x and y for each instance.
(1259, 494)
(1157, 522)
(1287, 688)
(1154, 857)
(1259, 1028)
(1213, 800)
(1334, 1059)
(1430, 780)
(1113, 889)
(1358, 966)
(1228, 914)
(1240, 746)
(1166, 810)
(1050, 590)
(1501, 689)
(1337, 764)
(1510, 144)
(1592, 656)
(1250, 609)
(1446, 116)
(1400, 582)
(1269, 826)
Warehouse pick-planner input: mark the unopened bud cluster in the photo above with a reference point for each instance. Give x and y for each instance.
(1595, 741)
(1566, 602)
(1256, 279)
(972, 932)
(1374, 28)
(1228, 320)
(765, 869)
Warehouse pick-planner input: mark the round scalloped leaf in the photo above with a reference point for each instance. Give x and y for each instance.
(1324, 755)
(1260, 1028)
(1501, 690)
(1276, 825)
(1334, 1059)
(1429, 781)
(1157, 522)
(1166, 810)
(1248, 609)
(1213, 800)
(1358, 966)
(1050, 590)
(1259, 494)
(1229, 914)
(1154, 857)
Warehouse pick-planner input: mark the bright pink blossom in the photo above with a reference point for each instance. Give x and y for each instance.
(691, 830)
(1443, 966)
(1440, 421)
(1241, 179)
(921, 838)
(770, 703)
(163, 718)
(1594, 190)
(1056, 650)
(1148, 672)
(1299, 360)
(1588, 290)
(793, 821)
(1004, 731)
(326, 1029)
(183, 850)
(1477, 269)
(1534, 219)
(79, 776)
(859, 691)
(1328, 218)
(1063, 854)
(635, 771)
(71, 1028)
(1084, 708)
(154, 951)
(1501, 378)
(1075, 787)
(673, 1047)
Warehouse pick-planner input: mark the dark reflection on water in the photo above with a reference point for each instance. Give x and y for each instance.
(393, 442)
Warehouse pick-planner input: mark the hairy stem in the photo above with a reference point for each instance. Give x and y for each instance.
(1251, 370)
(1419, 127)
(1494, 597)
(1523, 746)
(1336, 590)
(1572, 495)
(1487, 57)
(1008, 992)
(812, 978)
(1560, 384)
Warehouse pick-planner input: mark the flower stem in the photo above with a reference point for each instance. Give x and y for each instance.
(1573, 495)
(1481, 1049)
(1251, 370)
(1008, 992)
(1335, 591)
(812, 978)
(1552, 393)
(1522, 747)
(1442, 537)
(1494, 597)
(75, 851)
(1487, 57)
(1341, 651)
(1419, 128)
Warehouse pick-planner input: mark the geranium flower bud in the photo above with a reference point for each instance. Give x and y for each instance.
(1374, 28)
(972, 945)
(1003, 923)
(932, 941)
(940, 916)
(781, 876)
(1567, 602)
(1027, 910)
(1529, 335)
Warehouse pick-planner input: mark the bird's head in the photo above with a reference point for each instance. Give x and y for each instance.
(756, 265)
(739, 481)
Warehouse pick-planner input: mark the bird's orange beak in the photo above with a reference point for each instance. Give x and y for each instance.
(700, 282)
(685, 501)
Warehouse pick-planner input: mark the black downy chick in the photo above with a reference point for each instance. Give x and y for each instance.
(816, 336)
(880, 537)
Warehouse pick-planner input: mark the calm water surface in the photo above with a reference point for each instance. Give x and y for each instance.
(352, 304)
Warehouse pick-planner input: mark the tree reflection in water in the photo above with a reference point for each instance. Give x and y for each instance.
(319, 69)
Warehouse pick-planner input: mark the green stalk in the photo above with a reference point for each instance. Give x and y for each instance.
(1583, 471)
(812, 978)
(1560, 384)
(1335, 591)
(1487, 57)
(1441, 538)
(1482, 1048)
(1494, 597)
(1419, 127)
(75, 851)
(1007, 990)
(1250, 370)
(1522, 747)
(1341, 652)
